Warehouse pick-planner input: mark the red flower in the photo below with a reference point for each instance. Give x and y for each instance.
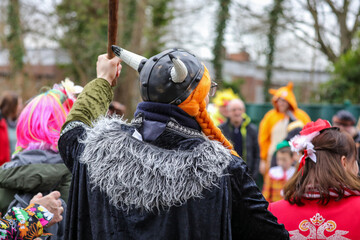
(317, 126)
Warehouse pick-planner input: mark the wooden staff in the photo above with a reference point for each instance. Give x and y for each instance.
(112, 26)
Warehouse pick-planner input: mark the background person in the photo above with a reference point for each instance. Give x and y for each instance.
(242, 134)
(10, 108)
(279, 174)
(116, 108)
(346, 122)
(293, 129)
(273, 127)
(322, 197)
(37, 166)
(218, 108)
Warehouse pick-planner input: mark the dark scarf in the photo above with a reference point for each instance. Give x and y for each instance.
(157, 115)
(162, 112)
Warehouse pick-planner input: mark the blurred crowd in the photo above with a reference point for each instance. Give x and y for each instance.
(29, 152)
(267, 151)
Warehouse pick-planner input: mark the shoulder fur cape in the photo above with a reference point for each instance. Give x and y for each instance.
(136, 174)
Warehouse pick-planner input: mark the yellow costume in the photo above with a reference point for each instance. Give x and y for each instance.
(273, 126)
(221, 99)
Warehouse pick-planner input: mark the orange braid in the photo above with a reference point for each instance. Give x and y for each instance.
(195, 106)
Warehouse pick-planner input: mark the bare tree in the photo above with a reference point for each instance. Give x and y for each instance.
(274, 15)
(14, 38)
(3, 19)
(333, 24)
(218, 49)
(193, 26)
(326, 25)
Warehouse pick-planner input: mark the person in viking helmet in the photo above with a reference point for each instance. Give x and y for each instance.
(169, 173)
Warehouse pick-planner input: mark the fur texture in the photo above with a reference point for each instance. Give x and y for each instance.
(135, 174)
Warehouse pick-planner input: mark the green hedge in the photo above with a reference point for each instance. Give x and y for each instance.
(315, 111)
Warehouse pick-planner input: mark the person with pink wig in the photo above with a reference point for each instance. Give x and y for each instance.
(40, 122)
(37, 161)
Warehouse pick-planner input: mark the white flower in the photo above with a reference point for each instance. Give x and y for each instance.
(70, 88)
(301, 142)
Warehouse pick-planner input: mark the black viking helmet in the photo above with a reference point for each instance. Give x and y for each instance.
(168, 77)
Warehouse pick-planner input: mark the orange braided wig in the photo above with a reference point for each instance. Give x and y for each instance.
(195, 106)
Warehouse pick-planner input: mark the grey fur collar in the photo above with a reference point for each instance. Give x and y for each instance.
(135, 174)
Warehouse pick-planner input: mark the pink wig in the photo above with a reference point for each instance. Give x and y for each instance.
(40, 122)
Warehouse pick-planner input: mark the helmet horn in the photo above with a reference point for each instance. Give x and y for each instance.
(178, 71)
(130, 58)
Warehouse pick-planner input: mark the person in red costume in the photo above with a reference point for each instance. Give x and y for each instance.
(322, 197)
(10, 108)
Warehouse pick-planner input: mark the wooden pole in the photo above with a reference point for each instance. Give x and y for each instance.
(112, 26)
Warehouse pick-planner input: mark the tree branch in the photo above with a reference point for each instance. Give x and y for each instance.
(333, 8)
(346, 6)
(324, 48)
(356, 23)
(250, 12)
(305, 39)
(293, 21)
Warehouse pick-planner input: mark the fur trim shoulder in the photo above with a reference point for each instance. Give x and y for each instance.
(136, 174)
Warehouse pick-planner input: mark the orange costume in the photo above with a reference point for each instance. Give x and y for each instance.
(273, 126)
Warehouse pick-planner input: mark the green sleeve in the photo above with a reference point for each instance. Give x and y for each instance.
(34, 177)
(92, 102)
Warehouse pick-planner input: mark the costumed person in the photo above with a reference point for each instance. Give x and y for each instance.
(292, 129)
(29, 223)
(10, 108)
(280, 174)
(346, 122)
(218, 109)
(272, 129)
(322, 199)
(242, 134)
(170, 173)
(36, 165)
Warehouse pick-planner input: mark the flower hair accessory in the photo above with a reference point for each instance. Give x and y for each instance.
(70, 90)
(303, 141)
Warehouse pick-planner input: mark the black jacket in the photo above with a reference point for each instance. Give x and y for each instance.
(251, 151)
(113, 195)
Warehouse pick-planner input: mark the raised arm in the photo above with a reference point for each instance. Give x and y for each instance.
(93, 102)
